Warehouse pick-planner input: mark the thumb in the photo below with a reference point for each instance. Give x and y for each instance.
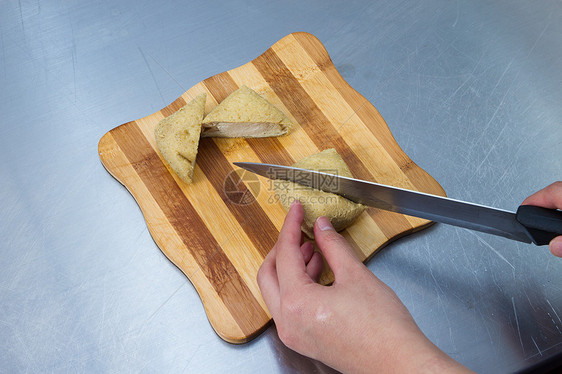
(556, 246)
(336, 250)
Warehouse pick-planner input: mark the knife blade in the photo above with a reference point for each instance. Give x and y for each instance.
(530, 224)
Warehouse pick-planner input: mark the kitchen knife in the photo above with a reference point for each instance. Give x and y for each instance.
(529, 224)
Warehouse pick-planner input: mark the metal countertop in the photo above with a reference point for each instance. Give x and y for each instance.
(472, 91)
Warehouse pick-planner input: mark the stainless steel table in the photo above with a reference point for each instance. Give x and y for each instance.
(472, 91)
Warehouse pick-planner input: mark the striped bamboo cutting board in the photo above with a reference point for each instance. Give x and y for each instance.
(219, 229)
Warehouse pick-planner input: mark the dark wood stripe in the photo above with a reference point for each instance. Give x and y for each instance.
(271, 151)
(306, 112)
(252, 218)
(173, 107)
(220, 86)
(191, 229)
(366, 112)
(317, 126)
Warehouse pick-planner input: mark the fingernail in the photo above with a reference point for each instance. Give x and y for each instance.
(324, 223)
(556, 247)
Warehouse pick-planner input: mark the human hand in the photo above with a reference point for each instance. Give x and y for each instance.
(549, 197)
(357, 324)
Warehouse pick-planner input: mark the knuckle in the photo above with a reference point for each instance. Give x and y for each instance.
(287, 336)
(335, 241)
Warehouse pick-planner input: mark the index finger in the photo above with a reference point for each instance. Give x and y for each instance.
(291, 269)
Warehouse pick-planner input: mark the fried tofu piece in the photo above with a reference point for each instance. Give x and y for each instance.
(245, 114)
(177, 137)
(340, 211)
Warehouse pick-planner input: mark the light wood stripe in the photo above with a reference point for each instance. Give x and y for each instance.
(196, 236)
(368, 114)
(268, 150)
(334, 106)
(274, 152)
(262, 150)
(207, 201)
(220, 245)
(158, 226)
(305, 110)
(297, 143)
(319, 128)
(408, 175)
(216, 167)
(119, 165)
(248, 74)
(211, 160)
(232, 149)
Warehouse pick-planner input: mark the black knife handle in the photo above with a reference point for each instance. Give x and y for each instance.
(542, 224)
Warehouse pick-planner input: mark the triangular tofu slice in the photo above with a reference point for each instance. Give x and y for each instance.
(245, 114)
(177, 137)
(339, 210)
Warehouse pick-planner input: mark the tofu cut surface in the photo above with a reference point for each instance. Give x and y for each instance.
(177, 137)
(245, 114)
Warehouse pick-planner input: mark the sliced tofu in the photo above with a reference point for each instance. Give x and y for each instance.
(245, 114)
(339, 210)
(177, 137)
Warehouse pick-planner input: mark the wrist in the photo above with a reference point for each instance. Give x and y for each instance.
(410, 352)
(417, 354)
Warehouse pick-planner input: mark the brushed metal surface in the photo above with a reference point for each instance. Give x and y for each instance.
(470, 89)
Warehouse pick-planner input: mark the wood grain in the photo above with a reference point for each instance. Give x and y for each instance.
(220, 244)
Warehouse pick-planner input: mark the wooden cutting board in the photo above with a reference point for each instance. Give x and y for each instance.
(219, 229)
